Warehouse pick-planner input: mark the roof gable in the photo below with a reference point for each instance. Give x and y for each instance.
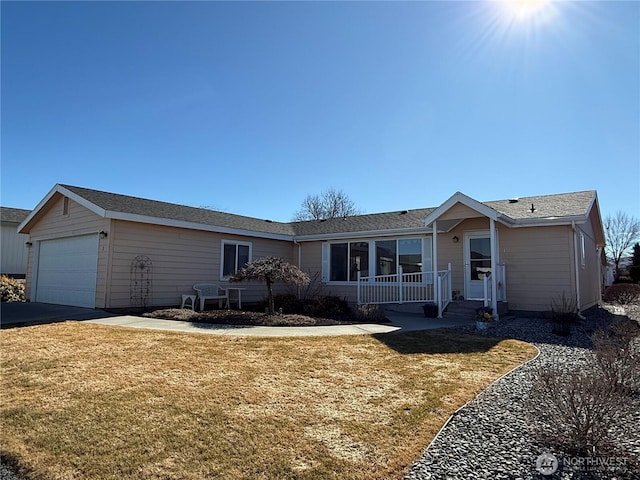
(124, 207)
(454, 203)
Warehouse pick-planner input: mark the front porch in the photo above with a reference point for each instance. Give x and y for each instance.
(419, 287)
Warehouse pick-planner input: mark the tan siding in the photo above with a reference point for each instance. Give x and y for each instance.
(459, 211)
(539, 265)
(79, 221)
(180, 258)
(589, 274)
(538, 262)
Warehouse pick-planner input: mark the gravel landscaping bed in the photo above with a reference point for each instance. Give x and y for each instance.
(491, 436)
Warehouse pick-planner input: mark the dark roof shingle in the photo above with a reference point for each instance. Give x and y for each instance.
(152, 208)
(547, 206)
(13, 215)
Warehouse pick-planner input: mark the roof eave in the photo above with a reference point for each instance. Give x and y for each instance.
(57, 188)
(473, 204)
(549, 221)
(168, 222)
(363, 234)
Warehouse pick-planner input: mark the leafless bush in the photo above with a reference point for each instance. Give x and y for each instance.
(617, 354)
(563, 310)
(622, 293)
(370, 313)
(11, 290)
(573, 409)
(312, 291)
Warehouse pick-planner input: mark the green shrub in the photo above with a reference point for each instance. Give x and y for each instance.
(634, 273)
(11, 290)
(622, 293)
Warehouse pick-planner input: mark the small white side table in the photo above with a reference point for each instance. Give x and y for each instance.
(239, 296)
(191, 298)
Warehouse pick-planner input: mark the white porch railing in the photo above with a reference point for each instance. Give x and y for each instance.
(406, 288)
(443, 290)
(500, 282)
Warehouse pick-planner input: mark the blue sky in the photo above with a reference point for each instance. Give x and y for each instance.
(247, 107)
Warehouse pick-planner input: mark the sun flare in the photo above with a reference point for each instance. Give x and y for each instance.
(524, 9)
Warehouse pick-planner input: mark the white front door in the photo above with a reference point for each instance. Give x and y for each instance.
(477, 262)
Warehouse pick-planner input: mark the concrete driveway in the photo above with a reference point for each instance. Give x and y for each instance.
(19, 314)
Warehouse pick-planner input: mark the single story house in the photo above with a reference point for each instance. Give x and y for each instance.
(104, 250)
(13, 245)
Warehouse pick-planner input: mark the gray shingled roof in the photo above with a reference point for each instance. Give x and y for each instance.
(152, 208)
(365, 223)
(13, 215)
(548, 206)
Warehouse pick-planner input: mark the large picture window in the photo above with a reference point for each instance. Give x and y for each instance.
(343, 260)
(235, 255)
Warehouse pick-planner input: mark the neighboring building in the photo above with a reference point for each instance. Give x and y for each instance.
(104, 250)
(13, 244)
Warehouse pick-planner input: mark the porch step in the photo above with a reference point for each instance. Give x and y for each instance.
(468, 308)
(463, 308)
(458, 308)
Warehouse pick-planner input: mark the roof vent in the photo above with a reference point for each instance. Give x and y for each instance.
(532, 209)
(268, 221)
(404, 212)
(513, 200)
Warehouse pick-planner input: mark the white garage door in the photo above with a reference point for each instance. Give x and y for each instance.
(67, 271)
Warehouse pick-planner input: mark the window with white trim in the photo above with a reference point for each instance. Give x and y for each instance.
(343, 260)
(347, 259)
(583, 258)
(235, 255)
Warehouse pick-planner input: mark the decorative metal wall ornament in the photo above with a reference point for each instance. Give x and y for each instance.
(141, 281)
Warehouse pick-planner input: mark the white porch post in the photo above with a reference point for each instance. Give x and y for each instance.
(494, 267)
(434, 241)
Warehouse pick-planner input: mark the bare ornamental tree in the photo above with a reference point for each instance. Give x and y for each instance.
(271, 270)
(621, 231)
(331, 203)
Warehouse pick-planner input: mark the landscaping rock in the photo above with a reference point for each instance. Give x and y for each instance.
(492, 432)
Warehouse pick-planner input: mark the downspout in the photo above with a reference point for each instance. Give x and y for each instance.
(600, 276)
(295, 242)
(494, 270)
(577, 268)
(434, 246)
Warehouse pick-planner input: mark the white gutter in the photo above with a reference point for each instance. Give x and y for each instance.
(363, 234)
(577, 267)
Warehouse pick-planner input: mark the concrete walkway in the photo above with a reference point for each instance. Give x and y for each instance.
(398, 323)
(24, 314)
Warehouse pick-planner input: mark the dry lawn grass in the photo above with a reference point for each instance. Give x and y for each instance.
(97, 402)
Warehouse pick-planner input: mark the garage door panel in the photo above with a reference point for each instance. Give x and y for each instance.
(67, 271)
